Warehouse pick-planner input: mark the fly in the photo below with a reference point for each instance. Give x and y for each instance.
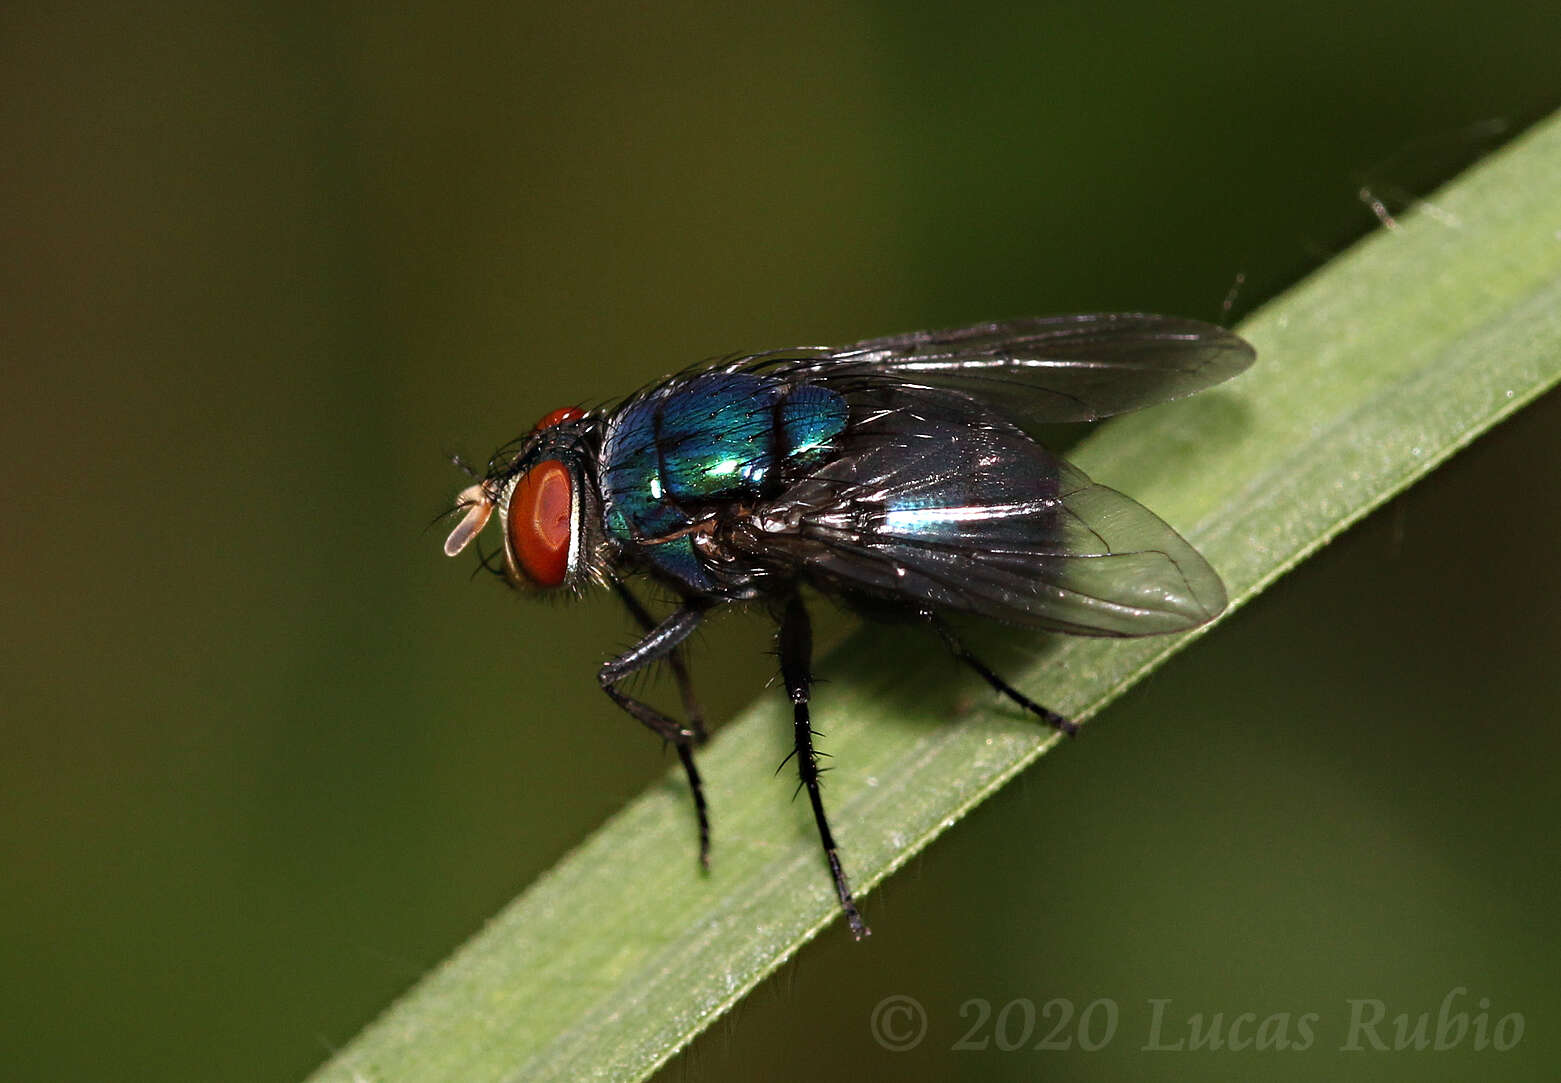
(894, 473)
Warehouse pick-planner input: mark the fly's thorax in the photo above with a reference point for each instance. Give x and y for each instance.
(698, 449)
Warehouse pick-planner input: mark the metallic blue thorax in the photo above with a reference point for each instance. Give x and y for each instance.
(715, 438)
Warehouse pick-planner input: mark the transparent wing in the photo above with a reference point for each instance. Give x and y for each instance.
(1044, 369)
(932, 501)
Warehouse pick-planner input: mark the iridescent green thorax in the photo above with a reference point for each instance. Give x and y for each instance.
(719, 437)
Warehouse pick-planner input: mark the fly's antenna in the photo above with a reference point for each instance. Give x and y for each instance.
(478, 504)
(442, 516)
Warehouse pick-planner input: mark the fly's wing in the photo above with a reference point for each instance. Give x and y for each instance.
(1042, 369)
(931, 500)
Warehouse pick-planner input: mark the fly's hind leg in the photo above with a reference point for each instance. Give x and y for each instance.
(796, 662)
(662, 641)
(958, 649)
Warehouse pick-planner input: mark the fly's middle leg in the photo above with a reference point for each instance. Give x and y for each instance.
(796, 654)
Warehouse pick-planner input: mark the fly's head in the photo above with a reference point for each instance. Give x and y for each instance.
(544, 488)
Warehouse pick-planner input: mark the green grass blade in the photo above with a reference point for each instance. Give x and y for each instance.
(1371, 373)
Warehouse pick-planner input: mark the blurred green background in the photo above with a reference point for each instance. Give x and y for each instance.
(268, 756)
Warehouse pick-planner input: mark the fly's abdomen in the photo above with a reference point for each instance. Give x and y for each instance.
(683, 451)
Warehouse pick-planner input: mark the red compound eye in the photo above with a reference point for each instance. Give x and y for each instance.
(558, 417)
(540, 522)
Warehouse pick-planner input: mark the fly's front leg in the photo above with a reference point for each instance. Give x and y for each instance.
(636, 608)
(796, 661)
(659, 642)
(696, 720)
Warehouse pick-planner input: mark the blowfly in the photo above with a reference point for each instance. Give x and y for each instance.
(897, 473)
